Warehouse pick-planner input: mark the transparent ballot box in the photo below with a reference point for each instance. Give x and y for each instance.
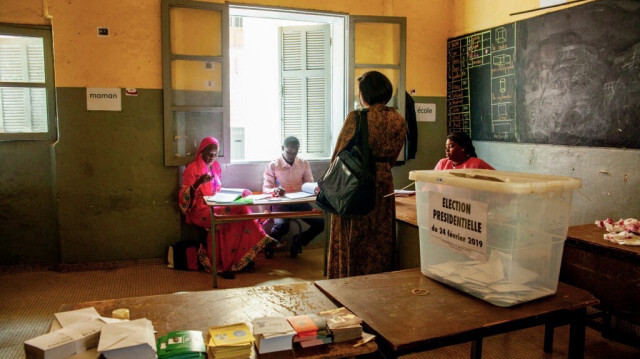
(496, 235)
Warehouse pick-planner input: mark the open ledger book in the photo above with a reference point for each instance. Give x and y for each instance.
(308, 190)
(225, 195)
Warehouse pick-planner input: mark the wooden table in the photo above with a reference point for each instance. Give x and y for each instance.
(221, 219)
(608, 270)
(406, 210)
(406, 323)
(200, 310)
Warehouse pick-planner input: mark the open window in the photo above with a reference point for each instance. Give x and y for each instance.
(378, 43)
(251, 76)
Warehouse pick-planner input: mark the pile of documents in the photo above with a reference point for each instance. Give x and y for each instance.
(182, 344)
(273, 334)
(72, 332)
(128, 339)
(232, 341)
(311, 330)
(500, 280)
(343, 324)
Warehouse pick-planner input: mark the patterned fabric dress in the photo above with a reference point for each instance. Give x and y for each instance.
(237, 243)
(365, 244)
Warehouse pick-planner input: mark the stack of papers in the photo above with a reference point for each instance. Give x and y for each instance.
(499, 280)
(273, 334)
(232, 341)
(182, 344)
(128, 339)
(72, 332)
(311, 330)
(62, 343)
(343, 324)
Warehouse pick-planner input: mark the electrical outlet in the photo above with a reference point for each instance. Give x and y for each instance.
(103, 31)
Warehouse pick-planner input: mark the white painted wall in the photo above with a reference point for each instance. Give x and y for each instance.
(610, 177)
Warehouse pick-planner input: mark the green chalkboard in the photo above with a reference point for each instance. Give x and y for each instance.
(570, 77)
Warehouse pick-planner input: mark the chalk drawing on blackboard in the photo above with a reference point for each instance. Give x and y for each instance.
(502, 60)
(501, 35)
(609, 92)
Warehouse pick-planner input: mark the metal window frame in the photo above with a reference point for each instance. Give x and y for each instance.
(167, 57)
(402, 66)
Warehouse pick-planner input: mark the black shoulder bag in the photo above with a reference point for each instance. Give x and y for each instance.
(347, 188)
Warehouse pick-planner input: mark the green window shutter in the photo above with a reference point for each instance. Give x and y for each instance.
(15, 101)
(305, 79)
(37, 96)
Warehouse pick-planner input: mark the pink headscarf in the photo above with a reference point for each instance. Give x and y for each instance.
(212, 186)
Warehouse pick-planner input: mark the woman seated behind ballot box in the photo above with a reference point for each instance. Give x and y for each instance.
(238, 243)
(460, 154)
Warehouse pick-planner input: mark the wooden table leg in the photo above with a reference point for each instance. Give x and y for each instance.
(327, 237)
(214, 259)
(476, 349)
(549, 329)
(576, 334)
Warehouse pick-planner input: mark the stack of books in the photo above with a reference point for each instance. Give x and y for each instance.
(273, 334)
(311, 330)
(182, 344)
(232, 341)
(343, 324)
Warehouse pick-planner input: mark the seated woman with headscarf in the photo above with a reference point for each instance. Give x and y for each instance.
(460, 154)
(237, 244)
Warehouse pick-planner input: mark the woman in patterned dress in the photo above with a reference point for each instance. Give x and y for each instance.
(365, 244)
(238, 243)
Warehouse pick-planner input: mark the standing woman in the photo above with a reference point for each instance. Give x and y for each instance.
(237, 244)
(365, 244)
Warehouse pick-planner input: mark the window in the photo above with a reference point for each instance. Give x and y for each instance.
(379, 44)
(287, 79)
(271, 73)
(26, 84)
(195, 73)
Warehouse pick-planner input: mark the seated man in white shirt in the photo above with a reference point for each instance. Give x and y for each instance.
(287, 174)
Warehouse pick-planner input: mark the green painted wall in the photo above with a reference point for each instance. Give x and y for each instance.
(431, 139)
(28, 229)
(116, 199)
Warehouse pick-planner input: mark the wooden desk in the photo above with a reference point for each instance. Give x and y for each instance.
(406, 210)
(200, 310)
(405, 322)
(220, 219)
(608, 270)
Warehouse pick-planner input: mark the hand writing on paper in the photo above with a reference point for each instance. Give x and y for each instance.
(279, 192)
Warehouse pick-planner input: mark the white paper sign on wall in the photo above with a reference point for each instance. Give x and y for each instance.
(104, 99)
(426, 112)
(545, 3)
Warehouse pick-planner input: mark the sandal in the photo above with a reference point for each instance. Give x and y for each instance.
(227, 275)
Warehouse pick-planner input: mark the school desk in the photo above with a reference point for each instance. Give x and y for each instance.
(220, 219)
(608, 270)
(200, 310)
(406, 319)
